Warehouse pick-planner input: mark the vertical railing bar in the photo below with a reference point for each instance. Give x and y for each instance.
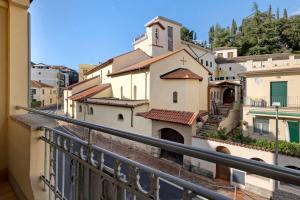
(89, 161)
(50, 162)
(45, 158)
(63, 175)
(55, 163)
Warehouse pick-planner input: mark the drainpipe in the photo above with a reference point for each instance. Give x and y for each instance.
(131, 116)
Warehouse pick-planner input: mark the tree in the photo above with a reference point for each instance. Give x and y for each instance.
(233, 28)
(270, 14)
(211, 35)
(255, 8)
(277, 14)
(186, 34)
(285, 14)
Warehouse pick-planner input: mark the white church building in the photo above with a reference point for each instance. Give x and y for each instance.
(163, 88)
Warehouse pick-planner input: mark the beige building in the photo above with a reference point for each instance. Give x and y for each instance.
(265, 87)
(43, 94)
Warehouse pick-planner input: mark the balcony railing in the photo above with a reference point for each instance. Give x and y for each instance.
(78, 169)
(136, 39)
(267, 101)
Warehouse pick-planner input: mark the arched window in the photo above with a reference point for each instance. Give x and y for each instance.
(91, 111)
(135, 92)
(175, 97)
(80, 108)
(120, 117)
(121, 92)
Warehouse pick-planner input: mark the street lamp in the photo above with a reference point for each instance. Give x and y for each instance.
(276, 105)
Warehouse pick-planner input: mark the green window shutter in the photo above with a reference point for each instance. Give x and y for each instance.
(294, 131)
(279, 93)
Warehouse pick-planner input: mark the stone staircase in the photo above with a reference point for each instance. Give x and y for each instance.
(211, 125)
(224, 109)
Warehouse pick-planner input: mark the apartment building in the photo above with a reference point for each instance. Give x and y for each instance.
(43, 95)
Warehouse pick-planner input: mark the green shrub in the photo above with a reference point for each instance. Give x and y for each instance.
(35, 104)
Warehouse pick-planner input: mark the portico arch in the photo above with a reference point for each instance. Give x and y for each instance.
(222, 171)
(174, 136)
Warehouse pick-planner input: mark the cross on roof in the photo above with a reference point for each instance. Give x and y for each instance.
(183, 60)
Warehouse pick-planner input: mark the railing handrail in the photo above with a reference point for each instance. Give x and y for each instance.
(263, 169)
(207, 193)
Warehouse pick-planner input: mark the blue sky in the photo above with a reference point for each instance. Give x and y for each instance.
(70, 32)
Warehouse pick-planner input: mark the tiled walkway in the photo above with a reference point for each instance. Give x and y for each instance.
(170, 168)
(6, 192)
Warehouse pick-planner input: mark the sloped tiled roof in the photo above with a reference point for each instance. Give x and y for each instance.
(181, 73)
(38, 84)
(89, 92)
(180, 117)
(117, 102)
(145, 64)
(108, 62)
(79, 83)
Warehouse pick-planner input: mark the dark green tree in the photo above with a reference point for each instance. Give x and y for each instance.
(277, 14)
(211, 35)
(270, 14)
(285, 14)
(186, 34)
(233, 28)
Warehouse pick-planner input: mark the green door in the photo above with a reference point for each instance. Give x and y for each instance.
(279, 93)
(294, 131)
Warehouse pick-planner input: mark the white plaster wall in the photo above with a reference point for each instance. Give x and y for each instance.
(161, 89)
(102, 73)
(48, 76)
(246, 153)
(225, 52)
(229, 70)
(128, 81)
(105, 115)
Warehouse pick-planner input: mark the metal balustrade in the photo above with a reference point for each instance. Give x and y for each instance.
(78, 169)
(266, 101)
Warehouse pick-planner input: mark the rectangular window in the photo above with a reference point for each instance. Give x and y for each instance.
(170, 38)
(50, 100)
(43, 91)
(261, 126)
(206, 63)
(230, 54)
(210, 64)
(220, 55)
(50, 91)
(33, 91)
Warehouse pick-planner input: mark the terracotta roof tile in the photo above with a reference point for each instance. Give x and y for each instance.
(39, 84)
(89, 92)
(145, 64)
(180, 117)
(181, 73)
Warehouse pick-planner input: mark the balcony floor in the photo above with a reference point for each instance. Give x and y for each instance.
(6, 192)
